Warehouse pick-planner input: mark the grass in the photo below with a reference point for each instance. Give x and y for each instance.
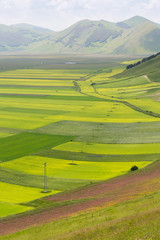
(26, 143)
(133, 219)
(117, 149)
(60, 168)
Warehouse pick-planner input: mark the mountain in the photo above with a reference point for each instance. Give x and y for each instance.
(135, 21)
(19, 36)
(136, 36)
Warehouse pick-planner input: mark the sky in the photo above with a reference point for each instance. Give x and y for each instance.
(60, 14)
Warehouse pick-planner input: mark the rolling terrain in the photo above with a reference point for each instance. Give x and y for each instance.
(135, 36)
(90, 123)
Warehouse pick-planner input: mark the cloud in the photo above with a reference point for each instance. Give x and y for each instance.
(152, 4)
(15, 4)
(58, 14)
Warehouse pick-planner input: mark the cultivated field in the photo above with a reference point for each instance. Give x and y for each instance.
(89, 123)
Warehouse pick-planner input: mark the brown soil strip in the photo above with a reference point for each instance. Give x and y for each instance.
(103, 194)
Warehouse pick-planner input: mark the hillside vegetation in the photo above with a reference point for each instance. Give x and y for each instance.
(149, 68)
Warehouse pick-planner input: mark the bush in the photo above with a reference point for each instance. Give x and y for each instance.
(134, 168)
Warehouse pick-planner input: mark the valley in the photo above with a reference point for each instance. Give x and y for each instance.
(90, 122)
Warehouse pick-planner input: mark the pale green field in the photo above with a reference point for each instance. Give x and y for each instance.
(10, 209)
(115, 149)
(18, 194)
(60, 168)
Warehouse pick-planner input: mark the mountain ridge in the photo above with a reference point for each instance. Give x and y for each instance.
(136, 36)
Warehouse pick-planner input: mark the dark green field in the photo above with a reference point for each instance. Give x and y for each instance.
(26, 143)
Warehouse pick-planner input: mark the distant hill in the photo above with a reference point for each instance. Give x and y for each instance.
(18, 37)
(135, 36)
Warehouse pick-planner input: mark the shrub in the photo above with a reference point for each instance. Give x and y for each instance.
(134, 168)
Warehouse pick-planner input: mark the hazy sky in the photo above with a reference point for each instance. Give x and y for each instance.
(59, 14)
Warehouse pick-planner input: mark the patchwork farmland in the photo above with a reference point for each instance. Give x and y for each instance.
(90, 125)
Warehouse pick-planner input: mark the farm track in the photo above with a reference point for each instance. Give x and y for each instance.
(147, 78)
(100, 195)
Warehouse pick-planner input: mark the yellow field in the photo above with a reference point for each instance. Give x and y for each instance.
(60, 168)
(115, 149)
(18, 194)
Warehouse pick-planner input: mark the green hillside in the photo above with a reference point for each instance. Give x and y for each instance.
(149, 68)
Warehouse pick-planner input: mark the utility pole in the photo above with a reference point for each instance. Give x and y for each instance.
(45, 177)
(72, 158)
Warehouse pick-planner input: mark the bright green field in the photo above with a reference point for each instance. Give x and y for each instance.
(18, 194)
(60, 168)
(110, 148)
(10, 209)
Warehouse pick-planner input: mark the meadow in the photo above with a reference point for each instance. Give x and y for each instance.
(89, 122)
(118, 222)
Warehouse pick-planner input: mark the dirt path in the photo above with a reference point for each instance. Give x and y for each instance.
(103, 194)
(147, 78)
